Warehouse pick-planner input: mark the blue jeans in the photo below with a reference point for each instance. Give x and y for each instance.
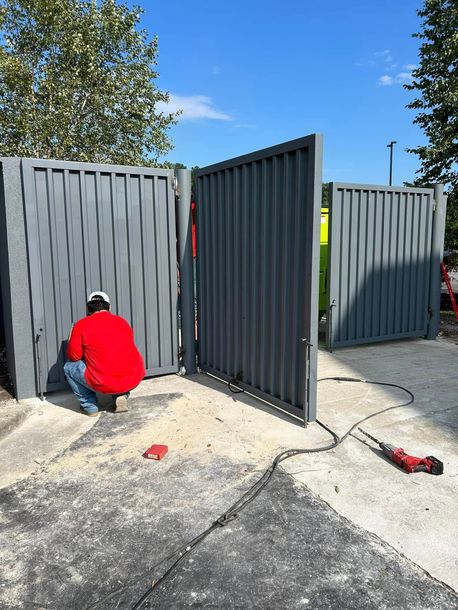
(74, 372)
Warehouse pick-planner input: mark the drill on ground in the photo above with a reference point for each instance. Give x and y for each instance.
(409, 463)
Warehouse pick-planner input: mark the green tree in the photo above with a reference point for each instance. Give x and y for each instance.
(325, 195)
(77, 83)
(436, 81)
(170, 165)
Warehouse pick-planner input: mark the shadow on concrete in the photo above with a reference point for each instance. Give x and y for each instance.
(379, 303)
(210, 381)
(67, 400)
(397, 362)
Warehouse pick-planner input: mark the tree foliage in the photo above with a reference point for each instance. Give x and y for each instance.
(436, 82)
(77, 83)
(325, 195)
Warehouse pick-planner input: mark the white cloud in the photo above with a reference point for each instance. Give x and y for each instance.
(401, 78)
(386, 80)
(193, 107)
(385, 62)
(385, 56)
(404, 76)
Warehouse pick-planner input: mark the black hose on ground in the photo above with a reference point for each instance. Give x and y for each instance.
(253, 492)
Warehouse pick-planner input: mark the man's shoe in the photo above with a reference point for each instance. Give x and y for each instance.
(89, 413)
(121, 404)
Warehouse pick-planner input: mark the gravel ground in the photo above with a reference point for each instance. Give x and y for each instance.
(449, 326)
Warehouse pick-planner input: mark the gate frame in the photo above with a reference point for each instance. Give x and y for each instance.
(437, 229)
(314, 143)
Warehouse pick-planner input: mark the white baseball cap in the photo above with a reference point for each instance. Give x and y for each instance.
(99, 293)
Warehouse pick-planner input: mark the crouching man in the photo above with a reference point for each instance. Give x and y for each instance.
(102, 357)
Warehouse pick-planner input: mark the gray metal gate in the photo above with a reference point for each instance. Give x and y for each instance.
(258, 219)
(91, 227)
(380, 261)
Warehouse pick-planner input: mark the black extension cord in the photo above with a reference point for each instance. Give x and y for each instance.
(252, 493)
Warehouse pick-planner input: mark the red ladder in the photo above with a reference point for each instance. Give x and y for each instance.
(449, 288)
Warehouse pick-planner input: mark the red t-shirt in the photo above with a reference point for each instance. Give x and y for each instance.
(106, 344)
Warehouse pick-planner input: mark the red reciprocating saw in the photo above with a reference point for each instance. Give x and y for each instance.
(409, 463)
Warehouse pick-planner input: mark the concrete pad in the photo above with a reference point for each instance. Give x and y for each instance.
(414, 513)
(12, 415)
(42, 431)
(219, 442)
(100, 516)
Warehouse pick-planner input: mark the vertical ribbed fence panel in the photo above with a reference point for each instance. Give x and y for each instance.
(379, 263)
(100, 227)
(258, 263)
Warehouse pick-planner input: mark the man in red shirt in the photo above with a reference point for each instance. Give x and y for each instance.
(102, 357)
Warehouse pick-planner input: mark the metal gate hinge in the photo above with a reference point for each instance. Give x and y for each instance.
(434, 206)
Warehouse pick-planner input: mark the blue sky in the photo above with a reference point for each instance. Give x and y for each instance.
(250, 74)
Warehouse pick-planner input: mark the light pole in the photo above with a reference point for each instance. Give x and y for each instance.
(391, 146)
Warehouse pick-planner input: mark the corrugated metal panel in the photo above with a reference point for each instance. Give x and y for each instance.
(380, 259)
(258, 219)
(112, 228)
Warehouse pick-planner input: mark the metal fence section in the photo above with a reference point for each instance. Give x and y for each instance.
(91, 227)
(258, 221)
(380, 263)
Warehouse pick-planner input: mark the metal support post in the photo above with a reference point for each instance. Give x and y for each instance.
(14, 281)
(188, 347)
(391, 146)
(437, 253)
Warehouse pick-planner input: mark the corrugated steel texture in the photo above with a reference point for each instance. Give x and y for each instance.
(112, 228)
(380, 261)
(258, 221)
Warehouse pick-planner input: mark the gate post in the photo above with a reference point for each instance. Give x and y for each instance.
(333, 271)
(437, 253)
(14, 282)
(188, 342)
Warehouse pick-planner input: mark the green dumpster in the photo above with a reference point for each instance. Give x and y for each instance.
(323, 261)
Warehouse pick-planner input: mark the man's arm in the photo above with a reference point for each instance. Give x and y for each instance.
(75, 344)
